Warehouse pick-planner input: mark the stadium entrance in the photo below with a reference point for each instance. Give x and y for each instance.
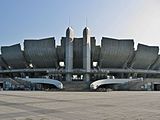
(156, 86)
(1, 85)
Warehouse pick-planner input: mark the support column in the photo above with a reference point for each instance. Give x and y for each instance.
(69, 53)
(86, 53)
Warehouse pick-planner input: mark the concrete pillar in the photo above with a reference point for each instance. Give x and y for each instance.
(86, 53)
(69, 53)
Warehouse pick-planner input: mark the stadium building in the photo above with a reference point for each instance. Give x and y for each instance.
(80, 59)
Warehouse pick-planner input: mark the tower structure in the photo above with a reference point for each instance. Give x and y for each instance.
(69, 53)
(86, 53)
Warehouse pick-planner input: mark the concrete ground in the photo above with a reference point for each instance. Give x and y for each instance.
(79, 105)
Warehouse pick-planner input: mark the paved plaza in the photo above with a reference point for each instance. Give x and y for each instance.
(20, 105)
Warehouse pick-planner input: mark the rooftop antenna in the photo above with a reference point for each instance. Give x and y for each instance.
(69, 22)
(86, 21)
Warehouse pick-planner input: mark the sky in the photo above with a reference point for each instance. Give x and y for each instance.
(122, 19)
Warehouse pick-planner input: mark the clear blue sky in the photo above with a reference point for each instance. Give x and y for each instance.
(136, 19)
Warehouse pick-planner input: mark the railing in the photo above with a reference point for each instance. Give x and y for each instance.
(82, 71)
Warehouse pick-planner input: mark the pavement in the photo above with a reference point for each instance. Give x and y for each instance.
(41, 105)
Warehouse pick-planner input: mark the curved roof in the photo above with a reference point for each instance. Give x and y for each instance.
(95, 50)
(78, 53)
(2, 63)
(56, 83)
(13, 56)
(41, 53)
(144, 56)
(61, 50)
(95, 53)
(115, 53)
(156, 65)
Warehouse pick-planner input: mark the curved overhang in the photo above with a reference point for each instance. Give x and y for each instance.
(144, 57)
(94, 85)
(56, 83)
(115, 53)
(13, 56)
(41, 53)
(78, 53)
